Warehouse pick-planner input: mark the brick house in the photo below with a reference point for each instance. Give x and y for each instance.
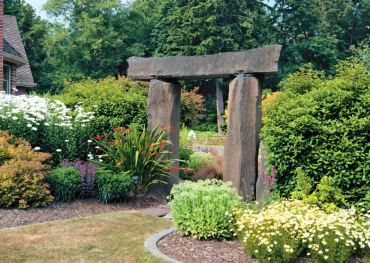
(15, 71)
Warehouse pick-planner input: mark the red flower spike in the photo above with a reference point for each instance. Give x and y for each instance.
(116, 130)
(106, 136)
(123, 129)
(98, 137)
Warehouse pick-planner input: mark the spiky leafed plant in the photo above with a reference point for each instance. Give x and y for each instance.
(142, 152)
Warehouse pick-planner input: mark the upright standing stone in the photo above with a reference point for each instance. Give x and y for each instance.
(164, 109)
(242, 142)
(220, 106)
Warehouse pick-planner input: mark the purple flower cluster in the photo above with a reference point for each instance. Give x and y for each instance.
(269, 179)
(88, 174)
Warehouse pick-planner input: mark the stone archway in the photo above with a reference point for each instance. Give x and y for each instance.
(248, 69)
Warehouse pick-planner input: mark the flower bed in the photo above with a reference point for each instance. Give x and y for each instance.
(48, 125)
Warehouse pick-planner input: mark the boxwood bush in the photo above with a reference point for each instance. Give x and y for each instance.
(322, 127)
(203, 209)
(64, 183)
(113, 187)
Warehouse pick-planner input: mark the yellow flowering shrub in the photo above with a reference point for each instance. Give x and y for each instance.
(283, 231)
(267, 101)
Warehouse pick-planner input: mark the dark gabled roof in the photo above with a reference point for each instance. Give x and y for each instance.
(10, 50)
(13, 45)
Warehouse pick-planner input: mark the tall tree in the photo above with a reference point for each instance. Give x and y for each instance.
(319, 31)
(195, 27)
(87, 40)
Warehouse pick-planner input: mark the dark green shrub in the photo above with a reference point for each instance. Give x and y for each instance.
(324, 129)
(112, 187)
(203, 209)
(116, 102)
(64, 183)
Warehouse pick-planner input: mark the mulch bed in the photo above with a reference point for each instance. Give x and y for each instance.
(60, 211)
(190, 250)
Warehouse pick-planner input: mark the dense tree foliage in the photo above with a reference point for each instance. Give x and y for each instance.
(93, 38)
(320, 32)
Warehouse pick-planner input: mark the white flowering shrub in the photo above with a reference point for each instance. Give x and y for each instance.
(283, 231)
(48, 125)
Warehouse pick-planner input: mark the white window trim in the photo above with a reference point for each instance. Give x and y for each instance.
(8, 89)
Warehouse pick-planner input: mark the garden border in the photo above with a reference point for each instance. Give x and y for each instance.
(152, 241)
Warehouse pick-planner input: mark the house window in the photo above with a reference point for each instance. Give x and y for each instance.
(7, 87)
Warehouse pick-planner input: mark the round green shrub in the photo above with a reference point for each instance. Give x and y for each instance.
(323, 129)
(64, 183)
(203, 209)
(113, 187)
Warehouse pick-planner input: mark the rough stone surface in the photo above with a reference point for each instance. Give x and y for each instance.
(260, 60)
(262, 190)
(164, 109)
(241, 148)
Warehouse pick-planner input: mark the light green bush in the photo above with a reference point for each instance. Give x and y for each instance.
(64, 183)
(199, 159)
(324, 129)
(203, 209)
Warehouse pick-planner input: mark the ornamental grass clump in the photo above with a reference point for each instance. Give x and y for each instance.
(203, 209)
(283, 231)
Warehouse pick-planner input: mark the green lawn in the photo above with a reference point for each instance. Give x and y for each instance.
(113, 237)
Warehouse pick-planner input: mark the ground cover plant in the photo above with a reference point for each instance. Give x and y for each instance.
(48, 125)
(203, 209)
(141, 153)
(283, 231)
(22, 172)
(321, 126)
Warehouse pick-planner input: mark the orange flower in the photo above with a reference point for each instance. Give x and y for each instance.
(116, 130)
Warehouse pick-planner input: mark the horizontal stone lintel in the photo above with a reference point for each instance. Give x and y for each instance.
(253, 61)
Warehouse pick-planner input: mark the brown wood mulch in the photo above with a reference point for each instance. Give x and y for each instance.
(190, 250)
(59, 211)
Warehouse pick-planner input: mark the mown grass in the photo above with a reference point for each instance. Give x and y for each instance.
(112, 237)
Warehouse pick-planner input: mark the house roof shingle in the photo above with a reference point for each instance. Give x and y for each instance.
(13, 45)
